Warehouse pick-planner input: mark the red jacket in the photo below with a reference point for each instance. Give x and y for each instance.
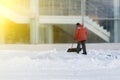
(80, 34)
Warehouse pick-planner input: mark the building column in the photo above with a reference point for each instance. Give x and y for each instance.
(116, 22)
(83, 10)
(34, 21)
(49, 33)
(2, 30)
(46, 33)
(2, 36)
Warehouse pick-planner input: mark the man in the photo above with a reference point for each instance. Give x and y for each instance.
(80, 36)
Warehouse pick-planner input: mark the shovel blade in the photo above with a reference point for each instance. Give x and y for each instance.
(72, 50)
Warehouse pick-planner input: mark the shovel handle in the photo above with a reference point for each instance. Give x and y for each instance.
(72, 43)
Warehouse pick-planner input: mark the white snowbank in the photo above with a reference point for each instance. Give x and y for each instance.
(59, 65)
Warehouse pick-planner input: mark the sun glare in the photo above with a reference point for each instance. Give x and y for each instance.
(11, 32)
(7, 3)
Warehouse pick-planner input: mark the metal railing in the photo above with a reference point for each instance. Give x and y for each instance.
(102, 15)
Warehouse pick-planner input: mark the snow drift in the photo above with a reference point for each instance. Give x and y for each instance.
(59, 65)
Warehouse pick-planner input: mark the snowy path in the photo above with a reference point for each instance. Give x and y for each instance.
(59, 65)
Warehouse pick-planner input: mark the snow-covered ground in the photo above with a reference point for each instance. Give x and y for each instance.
(57, 64)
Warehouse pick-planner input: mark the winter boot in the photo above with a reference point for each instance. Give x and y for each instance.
(85, 53)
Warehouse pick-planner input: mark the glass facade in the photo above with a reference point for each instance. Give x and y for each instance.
(60, 7)
(101, 11)
(104, 13)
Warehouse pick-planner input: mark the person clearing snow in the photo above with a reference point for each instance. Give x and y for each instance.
(80, 36)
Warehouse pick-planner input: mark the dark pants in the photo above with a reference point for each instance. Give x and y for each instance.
(83, 47)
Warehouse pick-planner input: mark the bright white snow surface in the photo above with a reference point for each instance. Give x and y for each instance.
(59, 65)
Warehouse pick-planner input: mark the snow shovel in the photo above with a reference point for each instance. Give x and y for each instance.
(72, 49)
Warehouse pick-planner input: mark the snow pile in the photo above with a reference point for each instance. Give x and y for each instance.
(58, 65)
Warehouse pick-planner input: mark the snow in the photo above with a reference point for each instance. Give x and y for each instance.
(54, 64)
